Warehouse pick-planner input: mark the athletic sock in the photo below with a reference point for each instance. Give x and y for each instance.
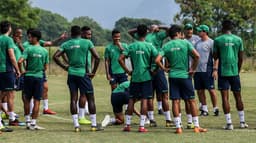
(113, 120)
(33, 122)
(204, 107)
(196, 121)
(5, 106)
(228, 118)
(75, 120)
(167, 115)
(45, 104)
(177, 122)
(142, 120)
(31, 106)
(27, 118)
(93, 119)
(81, 113)
(128, 119)
(241, 116)
(151, 115)
(12, 116)
(190, 119)
(159, 105)
(86, 111)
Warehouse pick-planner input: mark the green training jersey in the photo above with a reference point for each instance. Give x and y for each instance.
(177, 53)
(228, 47)
(77, 50)
(142, 55)
(122, 87)
(6, 43)
(112, 53)
(17, 52)
(36, 58)
(156, 38)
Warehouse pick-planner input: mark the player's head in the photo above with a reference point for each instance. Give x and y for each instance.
(188, 30)
(202, 30)
(75, 31)
(86, 32)
(17, 35)
(34, 36)
(5, 27)
(175, 31)
(227, 25)
(116, 35)
(153, 28)
(142, 30)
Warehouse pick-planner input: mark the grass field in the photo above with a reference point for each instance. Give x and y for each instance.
(59, 128)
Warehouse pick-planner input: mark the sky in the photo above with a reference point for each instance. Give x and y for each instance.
(107, 12)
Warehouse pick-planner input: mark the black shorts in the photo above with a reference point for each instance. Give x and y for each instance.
(141, 90)
(118, 100)
(84, 84)
(33, 87)
(203, 80)
(118, 78)
(7, 81)
(225, 82)
(181, 88)
(19, 83)
(159, 81)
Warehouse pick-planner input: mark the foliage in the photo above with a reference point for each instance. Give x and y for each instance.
(52, 25)
(19, 13)
(125, 23)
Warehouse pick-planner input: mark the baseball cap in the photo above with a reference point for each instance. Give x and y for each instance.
(188, 26)
(203, 27)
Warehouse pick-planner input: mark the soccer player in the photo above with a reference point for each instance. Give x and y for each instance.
(141, 54)
(86, 33)
(114, 72)
(46, 109)
(228, 49)
(177, 53)
(206, 71)
(8, 64)
(76, 50)
(37, 60)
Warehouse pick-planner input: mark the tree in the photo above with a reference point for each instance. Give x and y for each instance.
(125, 23)
(19, 13)
(99, 35)
(52, 24)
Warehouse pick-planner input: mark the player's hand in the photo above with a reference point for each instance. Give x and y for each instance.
(129, 73)
(167, 70)
(191, 72)
(64, 35)
(91, 75)
(66, 68)
(18, 74)
(215, 74)
(109, 77)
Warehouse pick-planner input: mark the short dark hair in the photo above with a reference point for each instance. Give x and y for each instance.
(142, 30)
(173, 30)
(75, 31)
(85, 28)
(36, 33)
(115, 31)
(227, 25)
(29, 30)
(5, 25)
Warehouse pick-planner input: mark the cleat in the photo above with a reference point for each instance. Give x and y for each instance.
(35, 127)
(106, 121)
(84, 121)
(152, 123)
(15, 122)
(96, 128)
(229, 127)
(5, 116)
(49, 111)
(147, 122)
(160, 112)
(243, 125)
(216, 112)
(28, 124)
(77, 129)
(5, 129)
(169, 123)
(142, 130)
(178, 131)
(204, 113)
(199, 130)
(190, 126)
(127, 128)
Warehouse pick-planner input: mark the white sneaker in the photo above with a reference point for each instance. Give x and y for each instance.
(105, 121)
(243, 125)
(228, 127)
(147, 122)
(35, 127)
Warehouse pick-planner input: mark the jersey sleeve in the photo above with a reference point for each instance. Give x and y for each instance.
(154, 51)
(10, 43)
(62, 47)
(126, 52)
(162, 51)
(91, 45)
(41, 42)
(25, 54)
(161, 35)
(241, 46)
(106, 53)
(190, 47)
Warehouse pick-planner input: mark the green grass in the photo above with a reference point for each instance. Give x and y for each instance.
(59, 128)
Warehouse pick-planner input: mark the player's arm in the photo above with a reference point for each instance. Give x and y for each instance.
(121, 61)
(163, 27)
(50, 43)
(159, 63)
(240, 60)
(195, 61)
(132, 32)
(107, 65)
(20, 64)
(96, 61)
(56, 58)
(215, 69)
(13, 61)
